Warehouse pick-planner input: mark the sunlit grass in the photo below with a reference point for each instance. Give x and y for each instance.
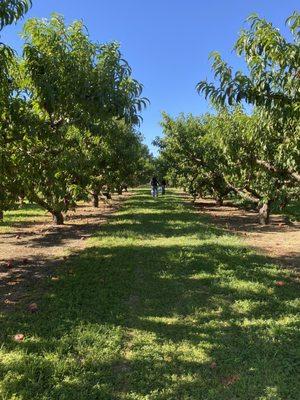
(160, 306)
(23, 214)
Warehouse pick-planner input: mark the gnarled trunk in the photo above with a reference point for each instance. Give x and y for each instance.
(219, 201)
(58, 218)
(107, 195)
(264, 213)
(245, 195)
(96, 199)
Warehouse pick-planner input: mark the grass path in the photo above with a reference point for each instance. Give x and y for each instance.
(162, 306)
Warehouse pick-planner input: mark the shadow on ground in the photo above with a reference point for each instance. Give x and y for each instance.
(164, 306)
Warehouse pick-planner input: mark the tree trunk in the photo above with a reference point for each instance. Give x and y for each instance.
(58, 218)
(96, 199)
(120, 191)
(1, 216)
(284, 203)
(219, 201)
(264, 213)
(107, 195)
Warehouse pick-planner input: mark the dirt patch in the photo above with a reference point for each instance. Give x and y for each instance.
(279, 240)
(31, 252)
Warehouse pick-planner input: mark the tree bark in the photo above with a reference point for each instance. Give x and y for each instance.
(264, 213)
(219, 201)
(96, 199)
(243, 194)
(107, 195)
(58, 218)
(1, 216)
(271, 168)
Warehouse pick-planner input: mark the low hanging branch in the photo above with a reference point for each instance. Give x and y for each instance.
(275, 170)
(243, 193)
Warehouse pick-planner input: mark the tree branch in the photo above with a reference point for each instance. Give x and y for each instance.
(275, 170)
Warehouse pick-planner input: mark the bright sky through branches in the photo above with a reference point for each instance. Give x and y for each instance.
(166, 42)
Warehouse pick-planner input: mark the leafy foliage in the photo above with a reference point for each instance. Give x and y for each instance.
(12, 10)
(256, 156)
(69, 102)
(218, 154)
(273, 63)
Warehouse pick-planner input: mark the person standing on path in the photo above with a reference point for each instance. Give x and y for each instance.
(154, 185)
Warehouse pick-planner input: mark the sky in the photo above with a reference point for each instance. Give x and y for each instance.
(166, 42)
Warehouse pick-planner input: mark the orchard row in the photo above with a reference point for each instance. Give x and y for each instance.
(250, 145)
(69, 113)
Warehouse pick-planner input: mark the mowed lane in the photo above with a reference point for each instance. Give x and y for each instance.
(162, 306)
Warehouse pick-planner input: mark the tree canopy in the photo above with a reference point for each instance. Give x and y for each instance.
(256, 154)
(70, 108)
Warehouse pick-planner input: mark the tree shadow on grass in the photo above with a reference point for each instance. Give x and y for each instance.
(144, 316)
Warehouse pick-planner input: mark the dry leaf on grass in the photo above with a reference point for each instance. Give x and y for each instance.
(33, 308)
(280, 283)
(19, 337)
(9, 264)
(230, 380)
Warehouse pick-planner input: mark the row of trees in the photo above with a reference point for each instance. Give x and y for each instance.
(256, 154)
(69, 112)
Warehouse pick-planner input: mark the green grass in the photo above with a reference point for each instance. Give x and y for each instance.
(292, 211)
(141, 314)
(24, 215)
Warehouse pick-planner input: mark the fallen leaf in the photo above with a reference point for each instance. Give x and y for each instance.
(7, 301)
(230, 380)
(19, 337)
(280, 283)
(33, 308)
(55, 278)
(13, 283)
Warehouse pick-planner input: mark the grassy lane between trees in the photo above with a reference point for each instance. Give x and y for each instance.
(162, 306)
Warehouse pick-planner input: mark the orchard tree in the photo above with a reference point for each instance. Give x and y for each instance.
(215, 155)
(11, 109)
(71, 85)
(235, 135)
(118, 159)
(194, 160)
(272, 86)
(125, 154)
